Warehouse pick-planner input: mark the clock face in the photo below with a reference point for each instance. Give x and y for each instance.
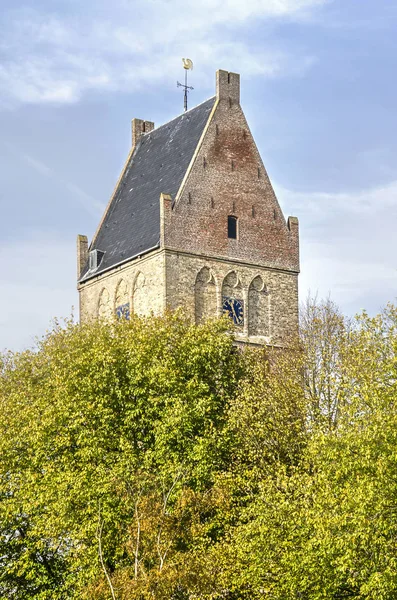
(123, 311)
(235, 309)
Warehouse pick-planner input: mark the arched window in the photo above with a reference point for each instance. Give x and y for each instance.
(104, 305)
(140, 296)
(205, 295)
(232, 298)
(122, 304)
(258, 308)
(232, 227)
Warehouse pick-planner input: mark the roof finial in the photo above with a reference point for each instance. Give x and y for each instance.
(188, 66)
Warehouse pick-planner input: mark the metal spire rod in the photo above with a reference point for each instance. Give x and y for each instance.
(187, 65)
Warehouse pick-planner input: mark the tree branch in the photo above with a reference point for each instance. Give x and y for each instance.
(99, 538)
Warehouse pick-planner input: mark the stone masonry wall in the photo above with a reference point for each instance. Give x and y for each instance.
(139, 283)
(279, 293)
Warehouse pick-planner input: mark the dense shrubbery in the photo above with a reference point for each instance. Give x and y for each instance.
(150, 459)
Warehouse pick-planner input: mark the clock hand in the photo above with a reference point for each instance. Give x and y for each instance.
(235, 318)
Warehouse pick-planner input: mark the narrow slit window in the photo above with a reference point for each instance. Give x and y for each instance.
(232, 227)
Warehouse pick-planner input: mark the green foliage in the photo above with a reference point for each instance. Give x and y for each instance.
(151, 459)
(324, 525)
(110, 438)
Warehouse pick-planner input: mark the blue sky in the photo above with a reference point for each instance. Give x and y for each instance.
(318, 88)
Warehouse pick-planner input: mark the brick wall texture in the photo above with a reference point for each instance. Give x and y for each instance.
(197, 263)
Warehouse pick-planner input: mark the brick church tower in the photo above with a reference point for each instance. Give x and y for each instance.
(194, 222)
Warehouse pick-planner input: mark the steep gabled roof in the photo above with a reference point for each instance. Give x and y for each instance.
(132, 223)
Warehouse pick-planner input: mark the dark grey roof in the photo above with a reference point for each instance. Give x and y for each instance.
(159, 163)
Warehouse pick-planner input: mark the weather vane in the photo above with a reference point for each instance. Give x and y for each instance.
(188, 66)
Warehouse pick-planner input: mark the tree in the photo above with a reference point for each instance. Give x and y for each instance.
(110, 438)
(324, 526)
(324, 335)
(267, 422)
(151, 459)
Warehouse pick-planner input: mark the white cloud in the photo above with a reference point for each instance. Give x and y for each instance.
(54, 59)
(348, 244)
(363, 201)
(352, 283)
(38, 284)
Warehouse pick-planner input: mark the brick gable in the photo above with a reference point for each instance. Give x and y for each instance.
(227, 177)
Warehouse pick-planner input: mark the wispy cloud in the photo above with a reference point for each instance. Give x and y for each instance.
(92, 205)
(37, 165)
(88, 202)
(50, 58)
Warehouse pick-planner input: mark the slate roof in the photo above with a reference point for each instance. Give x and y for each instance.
(158, 164)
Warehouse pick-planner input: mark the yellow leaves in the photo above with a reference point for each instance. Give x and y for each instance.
(103, 415)
(212, 473)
